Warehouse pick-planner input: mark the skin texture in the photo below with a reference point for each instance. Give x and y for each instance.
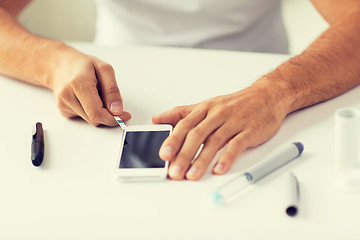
(85, 86)
(249, 117)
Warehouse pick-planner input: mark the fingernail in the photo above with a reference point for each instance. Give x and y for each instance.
(116, 107)
(219, 168)
(174, 171)
(166, 151)
(193, 171)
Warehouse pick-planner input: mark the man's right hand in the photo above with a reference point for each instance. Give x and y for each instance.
(85, 86)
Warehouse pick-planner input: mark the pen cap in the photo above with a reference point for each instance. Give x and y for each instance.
(37, 145)
(347, 138)
(292, 194)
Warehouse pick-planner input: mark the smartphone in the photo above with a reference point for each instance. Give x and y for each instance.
(139, 153)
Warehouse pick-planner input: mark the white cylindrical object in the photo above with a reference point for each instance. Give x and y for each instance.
(275, 160)
(347, 138)
(292, 195)
(349, 180)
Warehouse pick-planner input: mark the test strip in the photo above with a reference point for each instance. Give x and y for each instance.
(120, 122)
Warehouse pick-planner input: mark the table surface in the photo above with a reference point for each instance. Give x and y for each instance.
(74, 194)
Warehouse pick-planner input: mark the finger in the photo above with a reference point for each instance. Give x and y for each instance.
(173, 116)
(108, 89)
(236, 145)
(212, 144)
(194, 139)
(172, 144)
(65, 110)
(89, 99)
(68, 113)
(69, 105)
(125, 116)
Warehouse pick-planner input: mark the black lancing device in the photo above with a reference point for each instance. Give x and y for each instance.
(37, 146)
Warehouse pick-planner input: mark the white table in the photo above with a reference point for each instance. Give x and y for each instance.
(74, 194)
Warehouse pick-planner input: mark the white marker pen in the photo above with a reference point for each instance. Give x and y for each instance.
(256, 172)
(120, 122)
(293, 195)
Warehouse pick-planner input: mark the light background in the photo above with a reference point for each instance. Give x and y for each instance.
(74, 20)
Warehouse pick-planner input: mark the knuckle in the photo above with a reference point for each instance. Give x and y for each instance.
(219, 111)
(236, 142)
(185, 124)
(111, 89)
(215, 140)
(75, 83)
(206, 103)
(229, 156)
(182, 124)
(106, 67)
(64, 97)
(195, 133)
(249, 136)
(94, 117)
(174, 140)
(177, 109)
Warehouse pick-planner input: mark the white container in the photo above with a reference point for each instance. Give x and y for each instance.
(347, 145)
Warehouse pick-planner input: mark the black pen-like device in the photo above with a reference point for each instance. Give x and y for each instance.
(37, 146)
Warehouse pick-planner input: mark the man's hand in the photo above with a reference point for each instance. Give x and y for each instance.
(326, 69)
(85, 86)
(244, 119)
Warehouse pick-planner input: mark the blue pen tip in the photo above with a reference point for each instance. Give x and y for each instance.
(300, 146)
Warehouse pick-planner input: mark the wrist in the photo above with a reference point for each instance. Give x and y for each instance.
(48, 53)
(274, 93)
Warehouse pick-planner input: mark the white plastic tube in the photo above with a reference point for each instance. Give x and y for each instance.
(347, 145)
(347, 138)
(293, 195)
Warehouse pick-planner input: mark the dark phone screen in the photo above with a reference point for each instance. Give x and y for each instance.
(141, 149)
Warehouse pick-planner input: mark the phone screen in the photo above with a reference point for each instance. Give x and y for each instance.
(141, 149)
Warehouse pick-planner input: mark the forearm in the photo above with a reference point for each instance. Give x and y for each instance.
(14, 7)
(82, 85)
(25, 56)
(326, 69)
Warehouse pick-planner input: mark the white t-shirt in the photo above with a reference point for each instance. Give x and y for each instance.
(247, 25)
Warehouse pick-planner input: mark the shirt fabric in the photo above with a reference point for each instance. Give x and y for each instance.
(246, 25)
